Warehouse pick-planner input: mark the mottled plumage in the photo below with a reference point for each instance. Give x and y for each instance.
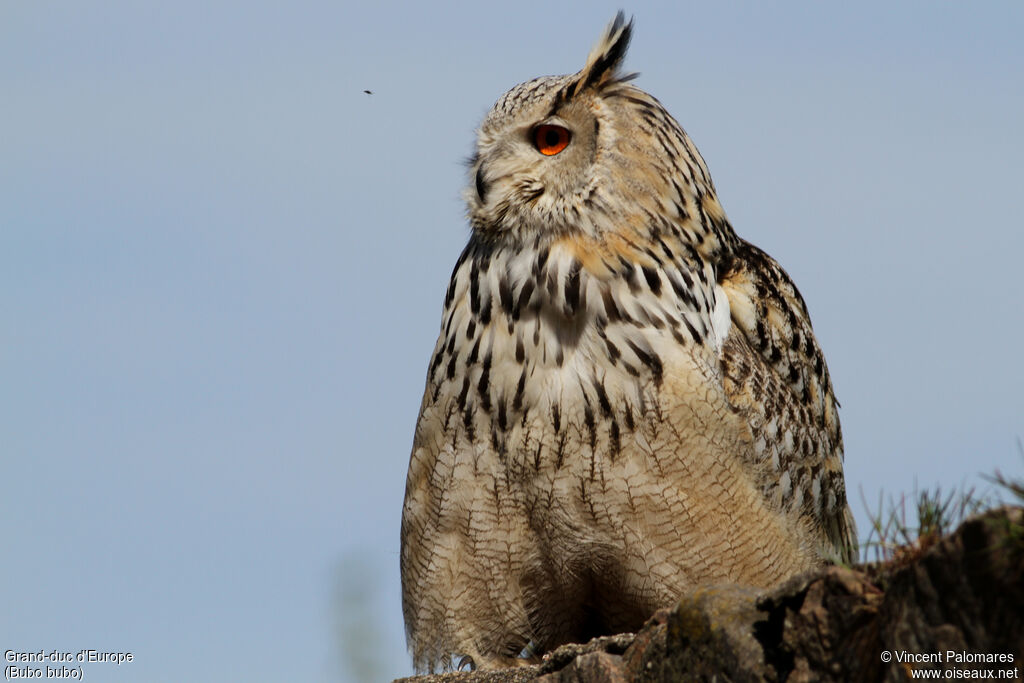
(626, 399)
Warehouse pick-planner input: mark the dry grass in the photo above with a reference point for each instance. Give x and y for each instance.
(903, 528)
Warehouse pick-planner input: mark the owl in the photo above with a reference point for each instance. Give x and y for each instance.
(626, 399)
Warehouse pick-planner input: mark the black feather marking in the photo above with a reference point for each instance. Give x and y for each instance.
(762, 336)
(641, 102)
(556, 418)
(653, 280)
(551, 281)
(602, 399)
(611, 311)
(463, 393)
(633, 280)
(474, 288)
(485, 312)
(696, 336)
(502, 417)
(681, 292)
(588, 420)
(572, 288)
(687, 279)
(505, 295)
(517, 402)
(481, 184)
(613, 351)
(450, 294)
(448, 321)
(436, 363)
(524, 298)
(483, 385)
(650, 359)
(533, 195)
(558, 100)
(542, 259)
(467, 422)
(791, 315)
(560, 452)
(677, 335)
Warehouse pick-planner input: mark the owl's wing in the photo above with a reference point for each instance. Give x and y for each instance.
(775, 375)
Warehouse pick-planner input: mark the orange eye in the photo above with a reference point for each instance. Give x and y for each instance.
(550, 140)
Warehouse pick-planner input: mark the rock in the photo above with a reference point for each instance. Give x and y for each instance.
(519, 674)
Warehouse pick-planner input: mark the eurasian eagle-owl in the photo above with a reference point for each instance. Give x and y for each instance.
(626, 399)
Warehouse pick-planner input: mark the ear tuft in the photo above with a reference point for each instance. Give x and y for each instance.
(604, 60)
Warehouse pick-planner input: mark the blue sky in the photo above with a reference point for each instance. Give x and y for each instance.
(222, 266)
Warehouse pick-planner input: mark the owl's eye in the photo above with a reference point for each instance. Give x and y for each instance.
(550, 139)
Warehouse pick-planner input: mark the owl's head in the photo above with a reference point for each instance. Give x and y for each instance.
(584, 153)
